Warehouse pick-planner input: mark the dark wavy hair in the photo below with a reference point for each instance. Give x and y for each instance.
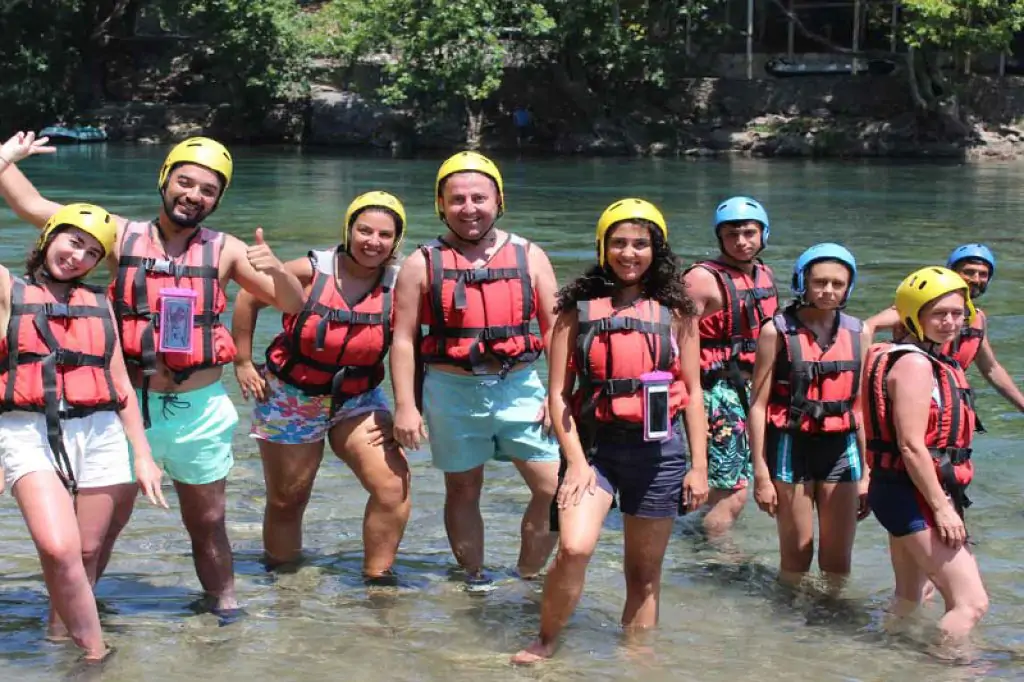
(663, 281)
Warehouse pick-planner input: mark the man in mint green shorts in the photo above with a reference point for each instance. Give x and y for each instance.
(168, 296)
(476, 290)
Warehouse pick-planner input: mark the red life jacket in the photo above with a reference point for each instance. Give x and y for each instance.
(729, 336)
(950, 422)
(331, 348)
(613, 349)
(142, 271)
(815, 389)
(56, 360)
(965, 347)
(473, 313)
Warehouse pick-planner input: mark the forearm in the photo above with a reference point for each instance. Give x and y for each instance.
(23, 198)
(243, 324)
(921, 469)
(288, 294)
(131, 420)
(1001, 380)
(756, 427)
(695, 421)
(403, 372)
(564, 425)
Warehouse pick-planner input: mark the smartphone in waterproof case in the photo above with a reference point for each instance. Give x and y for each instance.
(657, 420)
(177, 317)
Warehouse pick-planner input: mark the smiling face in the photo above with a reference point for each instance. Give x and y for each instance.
(976, 273)
(741, 240)
(470, 205)
(826, 285)
(191, 194)
(629, 252)
(942, 319)
(372, 237)
(72, 254)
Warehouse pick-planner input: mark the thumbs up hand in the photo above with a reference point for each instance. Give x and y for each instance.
(261, 258)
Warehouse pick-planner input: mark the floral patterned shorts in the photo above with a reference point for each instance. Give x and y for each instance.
(291, 417)
(729, 465)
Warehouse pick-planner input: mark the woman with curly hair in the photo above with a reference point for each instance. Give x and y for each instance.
(627, 335)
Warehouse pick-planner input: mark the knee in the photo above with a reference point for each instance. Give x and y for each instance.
(62, 555)
(206, 522)
(975, 607)
(288, 504)
(643, 582)
(574, 554)
(393, 494)
(459, 491)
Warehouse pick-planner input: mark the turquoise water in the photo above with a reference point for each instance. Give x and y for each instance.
(718, 622)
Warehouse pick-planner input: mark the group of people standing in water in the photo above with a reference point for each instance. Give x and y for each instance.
(670, 390)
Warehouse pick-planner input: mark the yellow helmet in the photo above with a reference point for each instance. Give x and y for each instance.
(375, 199)
(924, 286)
(464, 162)
(627, 209)
(201, 151)
(87, 218)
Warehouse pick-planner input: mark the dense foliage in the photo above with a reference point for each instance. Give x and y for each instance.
(438, 55)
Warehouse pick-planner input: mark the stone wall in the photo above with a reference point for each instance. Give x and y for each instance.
(804, 116)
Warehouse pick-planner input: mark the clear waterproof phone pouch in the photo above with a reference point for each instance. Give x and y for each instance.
(177, 317)
(657, 420)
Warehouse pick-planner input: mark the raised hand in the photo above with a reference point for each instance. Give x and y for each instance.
(23, 145)
(261, 257)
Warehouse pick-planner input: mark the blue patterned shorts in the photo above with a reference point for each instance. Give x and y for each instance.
(291, 417)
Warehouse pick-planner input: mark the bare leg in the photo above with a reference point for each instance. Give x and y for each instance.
(384, 473)
(102, 514)
(725, 507)
(646, 541)
(289, 471)
(50, 516)
(795, 523)
(537, 539)
(462, 518)
(203, 512)
(579, 530)
(956, 576)
(837, 528)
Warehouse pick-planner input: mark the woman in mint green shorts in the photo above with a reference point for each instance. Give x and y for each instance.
(321, 382)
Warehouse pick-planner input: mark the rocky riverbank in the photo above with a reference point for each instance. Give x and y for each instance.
(869, 116)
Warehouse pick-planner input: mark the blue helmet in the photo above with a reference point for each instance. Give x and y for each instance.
(820, 252)
(974, 252)
(740, 209)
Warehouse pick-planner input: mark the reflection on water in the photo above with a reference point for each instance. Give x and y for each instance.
(723, 616)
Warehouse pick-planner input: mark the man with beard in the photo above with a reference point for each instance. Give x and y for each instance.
(173, 258)
(477, 289)
(976, 264)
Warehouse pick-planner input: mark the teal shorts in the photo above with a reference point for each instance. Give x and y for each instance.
(191, 433)
(472, 419)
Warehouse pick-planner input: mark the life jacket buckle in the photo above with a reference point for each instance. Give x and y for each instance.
(52, 310)
(65, 357)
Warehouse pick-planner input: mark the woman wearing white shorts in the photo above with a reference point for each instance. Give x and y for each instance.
(66, 405)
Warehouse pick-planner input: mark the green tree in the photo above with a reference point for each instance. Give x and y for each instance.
(447, 53)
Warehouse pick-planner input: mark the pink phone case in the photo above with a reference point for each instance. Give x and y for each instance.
(177, 318)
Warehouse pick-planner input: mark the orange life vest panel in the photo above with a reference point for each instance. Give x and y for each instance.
(814, 389)
(613, 349)
(965, 347)
(472, 313)
(142, 271)
(951, 422)
(331, 348)
(56, 360)
(729, 336)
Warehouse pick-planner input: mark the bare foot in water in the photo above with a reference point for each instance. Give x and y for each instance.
(535, 653)
(57, 632)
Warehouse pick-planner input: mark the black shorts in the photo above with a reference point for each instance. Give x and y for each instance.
(797, 457)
